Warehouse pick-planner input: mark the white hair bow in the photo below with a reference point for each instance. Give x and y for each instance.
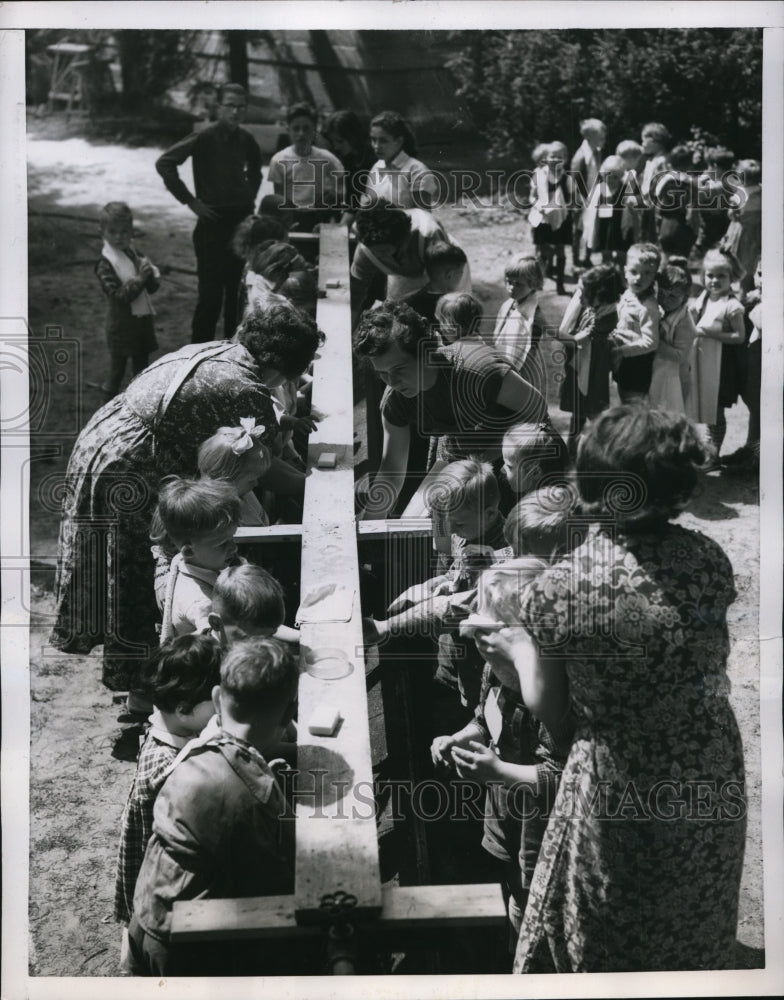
(247, 439)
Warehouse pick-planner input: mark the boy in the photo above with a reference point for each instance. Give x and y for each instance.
(226, 163)
(518, 330)
(446, 266)
(306, 176)
(127, 278)
(247, 601)
(634, 341)
(221, 827)
(199, 518)
(180, 678)
(540, 525)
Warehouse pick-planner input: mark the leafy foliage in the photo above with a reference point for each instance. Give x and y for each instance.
(525, 87)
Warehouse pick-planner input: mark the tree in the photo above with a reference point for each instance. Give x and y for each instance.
(151, 62)
(525, 87)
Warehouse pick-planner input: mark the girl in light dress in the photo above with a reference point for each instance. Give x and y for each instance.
(671, 376)
(550, 216)
(719, 320)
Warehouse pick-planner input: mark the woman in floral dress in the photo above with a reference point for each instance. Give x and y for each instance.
(104, 583)
(641, 862)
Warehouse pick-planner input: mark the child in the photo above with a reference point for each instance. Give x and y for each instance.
(587, 323)
(671, 376)
(635, 339)
(504, 745)
(631, 220)
(518, 329)
(236, 456)
(180, 678)
(745, 461)
(748, 215)
(543, 525)
(247, 601)
(199, 518)
(673, 199)
(713, 203)
(720, 330)
(306, 176)
(534, 456)
(220, 827)
(447, 271)
(550, 218)
(126, 278)
(585, 165)
(603, 220)
(458, 316)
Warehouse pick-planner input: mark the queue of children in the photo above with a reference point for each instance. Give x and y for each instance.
(205, 816)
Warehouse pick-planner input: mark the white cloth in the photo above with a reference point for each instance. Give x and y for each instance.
(127, 269)
(553, 212)
(512, 337)
(309, 181)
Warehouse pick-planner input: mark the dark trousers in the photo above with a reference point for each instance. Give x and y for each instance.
(117, 366)
(219, 271)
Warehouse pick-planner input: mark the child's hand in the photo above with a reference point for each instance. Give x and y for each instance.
(578, 338)
(475, 761)
(304, 424)
(441, 750)
(418, 593)
(497, 649)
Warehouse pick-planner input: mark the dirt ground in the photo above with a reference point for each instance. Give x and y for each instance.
(81, 764)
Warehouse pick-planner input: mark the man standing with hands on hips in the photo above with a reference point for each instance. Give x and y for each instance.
(226, 175)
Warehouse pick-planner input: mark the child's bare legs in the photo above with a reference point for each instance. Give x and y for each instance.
(718, 431)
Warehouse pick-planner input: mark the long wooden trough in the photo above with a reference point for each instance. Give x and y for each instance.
(336, 842)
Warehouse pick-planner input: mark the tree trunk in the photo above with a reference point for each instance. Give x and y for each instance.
(238, 57)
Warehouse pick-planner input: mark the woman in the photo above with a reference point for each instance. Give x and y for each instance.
(348, 139)
(104, 584)
(389, 261)
(397, 176)
(462, 391)
(641, 863)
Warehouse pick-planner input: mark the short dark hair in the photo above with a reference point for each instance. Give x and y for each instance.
(392, 323)
(280, 336)
(115, 211)
(301, 110)
(602, 284)
(394, 124)
(383, 223)
(232, 88)
(248, 593)
(673, 276)
(346, 125)
(440, 253)
(273, 255)
(254, 231)
(638, 465)
(255, 673)
(182, 672)
(681, 157)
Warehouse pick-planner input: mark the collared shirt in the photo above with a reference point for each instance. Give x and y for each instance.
(226, 168)
(513, 334)
(191, 597)
(401, 182)
(315, 180)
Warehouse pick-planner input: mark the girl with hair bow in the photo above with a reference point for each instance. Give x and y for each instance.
(237, 455)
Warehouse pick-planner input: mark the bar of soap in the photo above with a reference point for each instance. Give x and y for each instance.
(327, 460)
(324, 721)
(333, 283)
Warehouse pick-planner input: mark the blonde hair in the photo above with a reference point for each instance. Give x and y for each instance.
(217, 460)
(525, 268)
(715, 256)
(468, 482)
(628, 147)
(459, 311)
(501, 587)
(192, 508)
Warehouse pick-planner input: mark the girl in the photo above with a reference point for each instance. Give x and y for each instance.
(589, 319)
(718, 317)
(549, 217)
(458, 315)
(504, 745)
(397, 177)
(348, 139)
(236, 455)
(671, 376)
(518, 329)
(534, 454)
(603, 217)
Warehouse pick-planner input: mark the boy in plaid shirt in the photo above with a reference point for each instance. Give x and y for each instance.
(180, 678)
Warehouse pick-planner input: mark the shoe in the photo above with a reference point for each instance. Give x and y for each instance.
(737, 457)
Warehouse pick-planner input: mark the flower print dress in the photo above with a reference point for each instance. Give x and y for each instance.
(641, 861)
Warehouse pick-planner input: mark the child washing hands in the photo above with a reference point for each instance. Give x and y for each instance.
(504, 745)
(237, 456)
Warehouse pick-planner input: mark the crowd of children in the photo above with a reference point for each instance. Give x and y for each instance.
(205, 815)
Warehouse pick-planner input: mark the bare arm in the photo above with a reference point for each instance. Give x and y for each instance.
(388, 481)
(544, 687)
(521, 398)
